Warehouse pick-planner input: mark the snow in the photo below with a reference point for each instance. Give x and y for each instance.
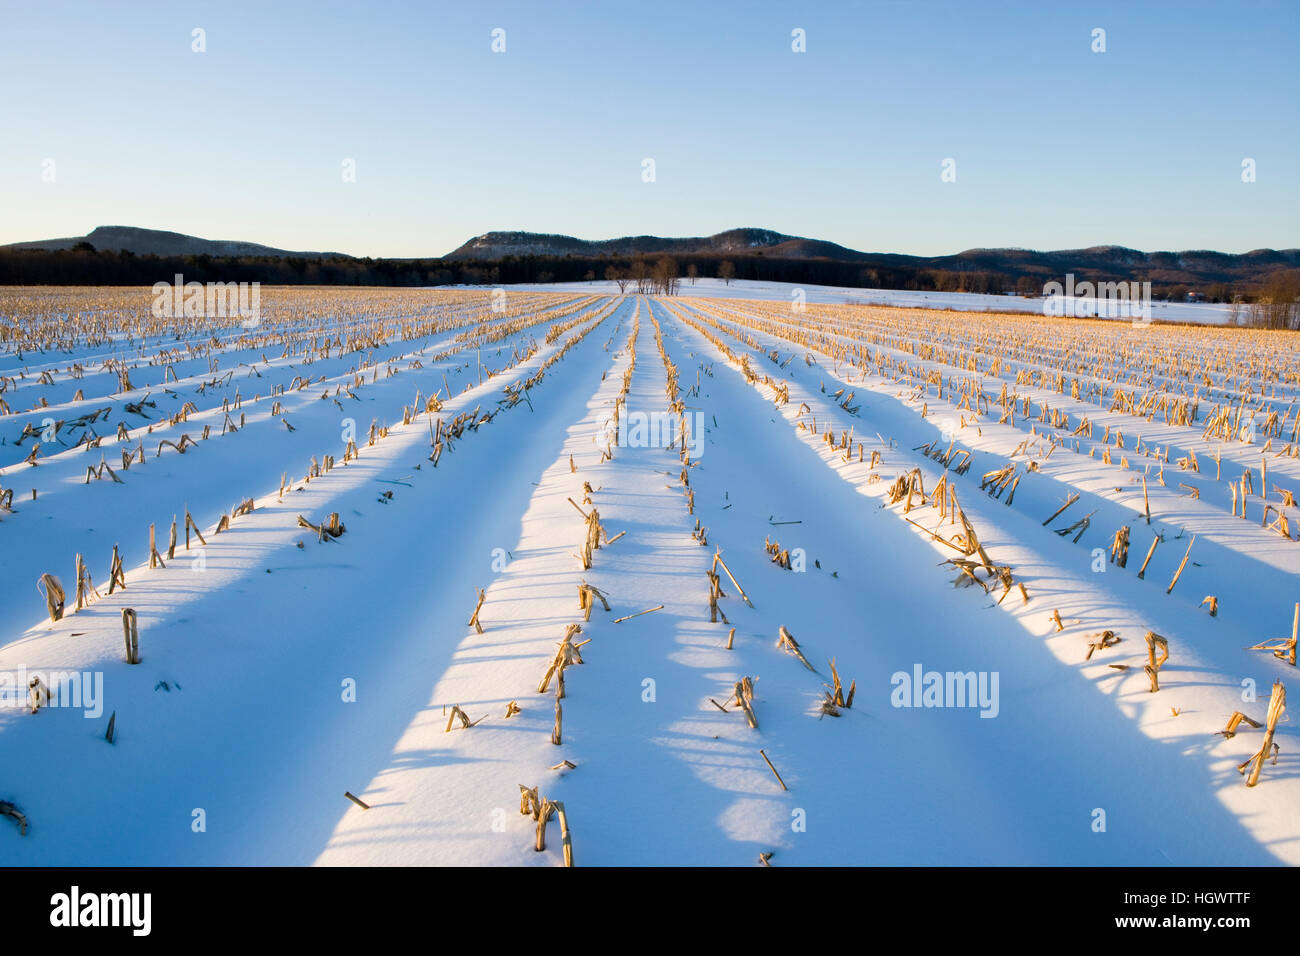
(240, 706)
(1201, 313)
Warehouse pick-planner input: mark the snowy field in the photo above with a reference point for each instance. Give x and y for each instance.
(884, 585)
(1201, 313)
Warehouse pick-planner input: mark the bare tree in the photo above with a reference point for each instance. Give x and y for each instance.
(1235, 307)
(692, 273)
(665, 275)
(726, 271)
(1278, 304)
(641, 275)
(619, 276)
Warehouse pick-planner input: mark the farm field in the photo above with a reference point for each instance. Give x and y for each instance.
(1196, 313)
(642, 580)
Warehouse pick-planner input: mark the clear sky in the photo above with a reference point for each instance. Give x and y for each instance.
(1055, 146)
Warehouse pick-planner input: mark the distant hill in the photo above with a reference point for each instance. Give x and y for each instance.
(1099, 263)
(737, 242)
(764, 254)
(155, 242)
(1117, 263)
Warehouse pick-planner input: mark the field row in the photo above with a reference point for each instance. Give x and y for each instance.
(672, 581)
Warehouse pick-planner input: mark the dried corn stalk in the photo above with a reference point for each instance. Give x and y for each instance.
(54, 596)
(1101, 641)
(1154, 664)
(8, 809)
(1234, 722)
(1283, 648)
(743, 697)
(1276, 705)
(473, 618)
(786, 641)
(131, 635)
(326, 530)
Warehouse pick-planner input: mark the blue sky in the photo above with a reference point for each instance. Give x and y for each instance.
(1055, 146)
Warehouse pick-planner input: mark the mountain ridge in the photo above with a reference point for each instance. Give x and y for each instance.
(1099, 263)
(1109, 259)
(160, 242)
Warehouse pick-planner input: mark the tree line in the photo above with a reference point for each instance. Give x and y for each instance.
(1276, 305)
(88, 266)
(1270, 303)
